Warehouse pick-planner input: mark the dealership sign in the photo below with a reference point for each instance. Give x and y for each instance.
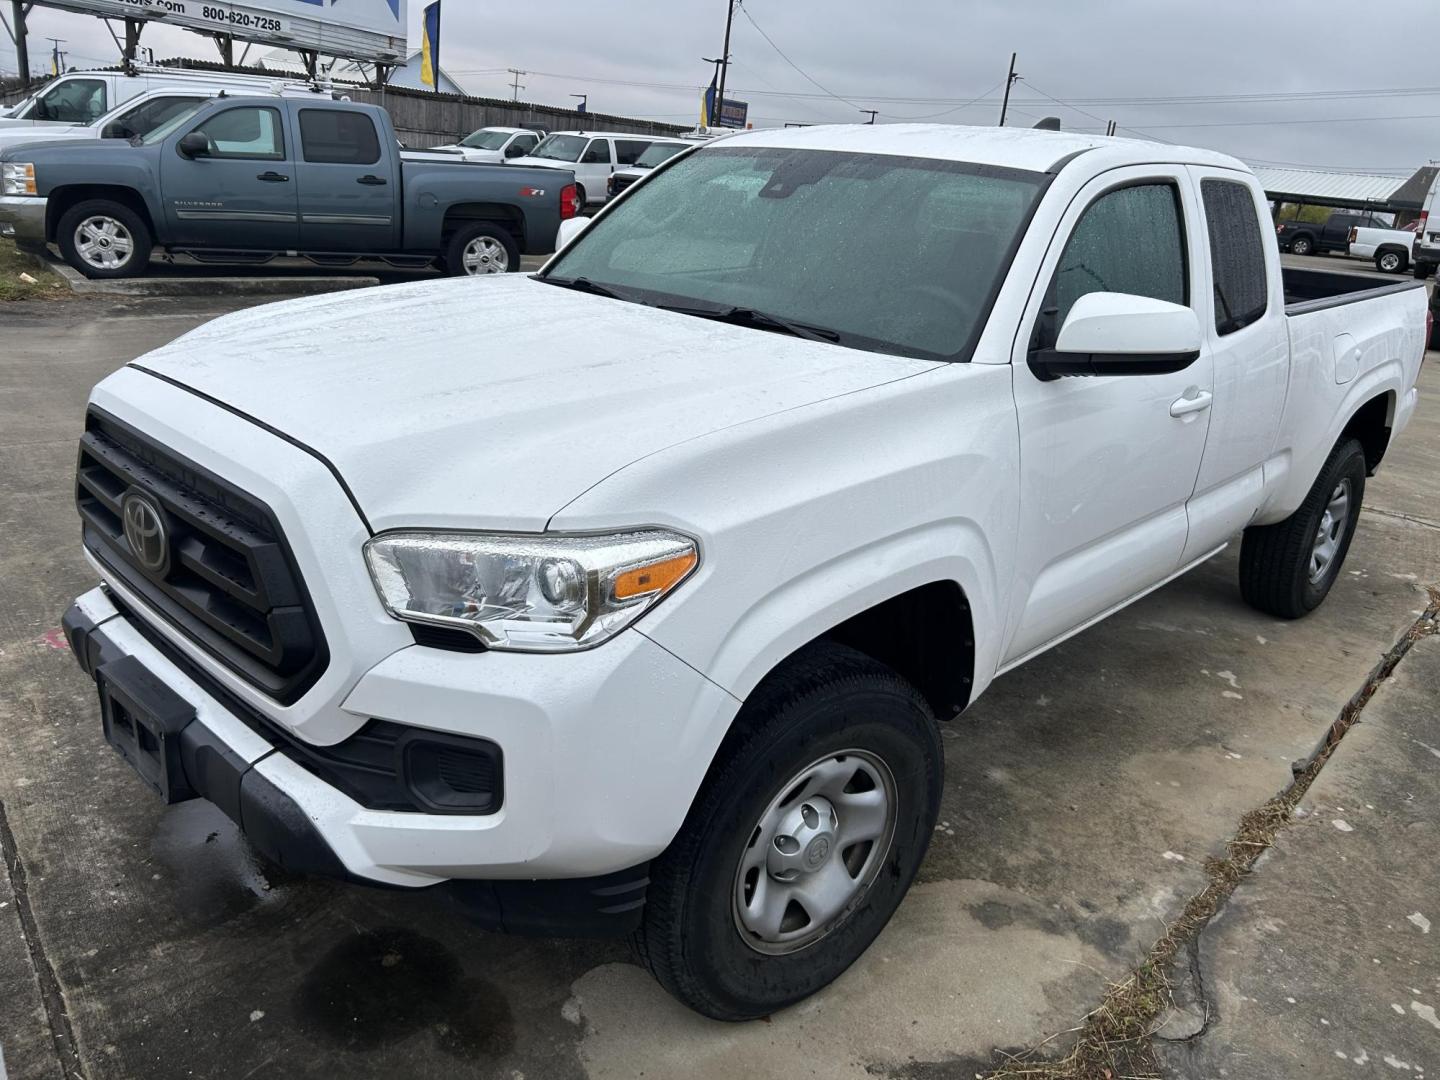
(355, 29)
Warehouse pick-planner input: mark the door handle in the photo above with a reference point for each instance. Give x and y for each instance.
(1184, 406)
(273, 178)
(373, 181)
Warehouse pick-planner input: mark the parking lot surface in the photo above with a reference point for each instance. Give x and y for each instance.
(1083, 796)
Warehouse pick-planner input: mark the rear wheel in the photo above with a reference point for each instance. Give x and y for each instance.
(802, 842)
(1287, 569)
(1422, 270)
(104, 239)
(482, 248)
(1302, 245)
(1390, 262)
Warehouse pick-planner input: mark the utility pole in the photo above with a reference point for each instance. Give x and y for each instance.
(724, 63)
(1009, 82)
(55, 53)
(872, 113)
(22, 48)
(1110, 128)
(517, 85)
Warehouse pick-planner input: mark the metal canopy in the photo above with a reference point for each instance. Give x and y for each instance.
(1347, 191)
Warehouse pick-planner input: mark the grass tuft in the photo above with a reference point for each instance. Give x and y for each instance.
(13, 263)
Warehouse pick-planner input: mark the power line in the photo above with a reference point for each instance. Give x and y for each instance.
(751, 19)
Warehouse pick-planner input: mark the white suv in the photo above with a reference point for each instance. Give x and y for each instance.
(591, 155)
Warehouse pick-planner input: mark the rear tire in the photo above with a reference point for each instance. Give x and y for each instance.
(1422, 270)
(1391, 262)
(1302, 245)
(482, 248)
(1287, 569)
(104, 239)
(829, 712)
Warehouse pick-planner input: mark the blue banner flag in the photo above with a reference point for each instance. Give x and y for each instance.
(430, 46)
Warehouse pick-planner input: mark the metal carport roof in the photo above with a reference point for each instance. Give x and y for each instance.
(1351, 191)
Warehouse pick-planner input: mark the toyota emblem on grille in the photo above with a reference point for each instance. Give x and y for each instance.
(145, 532)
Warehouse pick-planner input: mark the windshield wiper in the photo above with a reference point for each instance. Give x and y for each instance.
(583, 284)
(760, 320)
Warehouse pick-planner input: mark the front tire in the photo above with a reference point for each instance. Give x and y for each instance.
(104, 239)
(1302, 245)
(802, 842)
(1287, 569)
(482, 248)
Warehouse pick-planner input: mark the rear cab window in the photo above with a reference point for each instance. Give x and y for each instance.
(338, 137)
(1237, 254)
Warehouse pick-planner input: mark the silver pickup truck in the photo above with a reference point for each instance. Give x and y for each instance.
(246, 179)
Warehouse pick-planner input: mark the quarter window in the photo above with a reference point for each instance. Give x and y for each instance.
(1237, 254)
(245, 132)
(628, 151)
(1129, 240)
(334, 137)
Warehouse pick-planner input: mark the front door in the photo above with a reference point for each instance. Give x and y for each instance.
(592, 171)
(348, 187)
(1107, 462)
(240, 193)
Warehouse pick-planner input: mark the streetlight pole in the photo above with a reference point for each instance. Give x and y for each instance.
(724, 62)
(1009, 82)
(584, 102)
(871, 113)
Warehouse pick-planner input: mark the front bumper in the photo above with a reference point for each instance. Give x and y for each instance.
(22, 218)
(601, 762)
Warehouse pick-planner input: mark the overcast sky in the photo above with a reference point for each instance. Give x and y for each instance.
(912, 59)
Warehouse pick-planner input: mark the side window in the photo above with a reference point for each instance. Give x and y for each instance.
(245, 132)
(75, 101)
(147, 116)
(526, 142)
(338, 137)
(597, 153)
(1129, 240)
(628, 151)
(1237, 254)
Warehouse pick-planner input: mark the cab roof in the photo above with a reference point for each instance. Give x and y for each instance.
(1016, 148)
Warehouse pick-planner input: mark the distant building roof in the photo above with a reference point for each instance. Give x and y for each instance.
(1358, 191)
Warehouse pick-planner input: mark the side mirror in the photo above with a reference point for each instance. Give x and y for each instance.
(1121, 334)
(570, 228)
(194, 145)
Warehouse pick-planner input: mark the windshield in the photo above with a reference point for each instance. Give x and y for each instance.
(893, 254)
(161, 132)
(71, 101)
(485, 140)
(560, 147)
(657, 153)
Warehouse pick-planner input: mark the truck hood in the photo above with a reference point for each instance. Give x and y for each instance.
(491, 403)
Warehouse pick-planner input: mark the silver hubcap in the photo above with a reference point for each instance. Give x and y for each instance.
(104, 243)
(1331, 531)
(1390, 262)
(815, 852)
(485, 255)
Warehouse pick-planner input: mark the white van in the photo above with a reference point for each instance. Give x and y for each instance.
(591, 155)
(82, 97)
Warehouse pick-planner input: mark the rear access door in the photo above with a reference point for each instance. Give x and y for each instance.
(349, 180)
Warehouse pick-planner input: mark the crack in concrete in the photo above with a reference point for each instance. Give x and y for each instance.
(1412, 519)
(62, 1034)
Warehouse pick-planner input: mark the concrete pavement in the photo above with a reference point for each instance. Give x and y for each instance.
(1084, 792)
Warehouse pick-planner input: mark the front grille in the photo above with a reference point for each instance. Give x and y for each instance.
(228, 581)
(620, 183)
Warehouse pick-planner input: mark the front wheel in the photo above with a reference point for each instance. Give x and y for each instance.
(104, 239)
(1302, 245)
(482, 248)
(1287, 569)
(803, 841)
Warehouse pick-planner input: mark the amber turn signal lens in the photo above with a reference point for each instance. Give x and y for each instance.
(657, 577)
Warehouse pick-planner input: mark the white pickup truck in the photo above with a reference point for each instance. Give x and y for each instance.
(647, 619)
(1389, 248)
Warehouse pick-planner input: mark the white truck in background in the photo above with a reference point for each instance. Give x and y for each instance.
(1389, 249)
(647, 620)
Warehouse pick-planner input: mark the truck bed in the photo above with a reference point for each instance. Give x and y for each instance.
(1314, 290)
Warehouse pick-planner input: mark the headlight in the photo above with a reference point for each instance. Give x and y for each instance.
(17, 178)
(537, 593)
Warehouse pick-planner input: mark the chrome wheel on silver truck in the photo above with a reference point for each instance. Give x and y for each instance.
(801, 843)
(481, 248)
(104, 239)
